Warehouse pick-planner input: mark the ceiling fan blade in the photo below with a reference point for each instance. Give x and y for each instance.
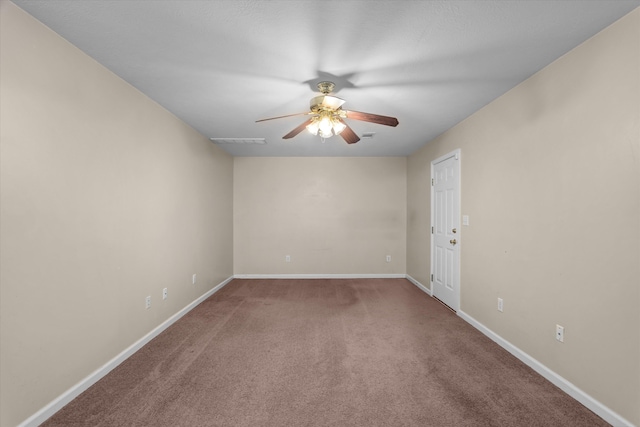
(348, 134)
(297, 130)
(281, 117)
(373, 118)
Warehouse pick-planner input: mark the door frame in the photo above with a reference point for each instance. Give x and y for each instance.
(457, 154)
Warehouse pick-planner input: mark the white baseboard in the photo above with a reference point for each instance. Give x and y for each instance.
(598, 408)
(55, 405)
(569, 388)
(422, 287)
(319, 276)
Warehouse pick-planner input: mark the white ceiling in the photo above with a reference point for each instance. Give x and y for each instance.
(221, 65)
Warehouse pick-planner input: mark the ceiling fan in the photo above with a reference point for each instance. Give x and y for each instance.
(327, 117)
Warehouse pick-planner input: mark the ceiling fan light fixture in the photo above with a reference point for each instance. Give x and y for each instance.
(338, 126)
(325, 126)
(313, 126)
(325, 135)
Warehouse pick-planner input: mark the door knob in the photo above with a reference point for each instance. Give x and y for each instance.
(453, 242)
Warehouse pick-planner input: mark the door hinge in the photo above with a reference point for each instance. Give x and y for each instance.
(432, 182)
(432, 277)
(431, 230)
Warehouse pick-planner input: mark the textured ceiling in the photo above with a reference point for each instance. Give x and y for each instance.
(221, 65)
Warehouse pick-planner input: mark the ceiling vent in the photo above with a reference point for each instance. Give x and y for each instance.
(368, 135)
(239, 140)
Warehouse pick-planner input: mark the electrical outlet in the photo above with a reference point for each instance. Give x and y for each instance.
(193, 279)
(500, 304)
(147, 302)
(560, 333)
(388, 258)
(287, 258)
(164, 293)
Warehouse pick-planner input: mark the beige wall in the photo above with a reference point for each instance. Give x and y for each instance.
(331, 215)
(105, 198)
(551, 182)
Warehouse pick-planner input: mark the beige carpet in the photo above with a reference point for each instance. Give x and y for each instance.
(358, 352)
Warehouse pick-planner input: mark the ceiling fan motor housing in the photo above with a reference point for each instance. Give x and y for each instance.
(325, 102)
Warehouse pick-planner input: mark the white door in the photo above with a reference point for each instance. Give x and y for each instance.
(445, 235)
